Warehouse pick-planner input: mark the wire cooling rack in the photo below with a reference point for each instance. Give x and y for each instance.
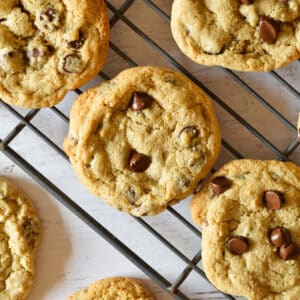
(248, 132)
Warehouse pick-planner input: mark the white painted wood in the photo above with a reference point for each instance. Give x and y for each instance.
(71, 255)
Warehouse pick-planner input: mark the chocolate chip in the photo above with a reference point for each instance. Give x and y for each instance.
(268, 30)
(72, 63)
(238, 245)
(246, 1)
(287, 252)
(273, 200)
(50, 48)
(131, 192)
(189, 136)
(50, 13)
(280, 236)
(220, 184)
(139, 162)
(37, 53)
(78, 43)
(191, 129)
(140, 101)
(49, 19)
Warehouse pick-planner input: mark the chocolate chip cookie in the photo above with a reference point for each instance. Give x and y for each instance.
(19, 237)
(250, 212)
(257, 35)
(116, 288)
(49, 47)
(143, 140)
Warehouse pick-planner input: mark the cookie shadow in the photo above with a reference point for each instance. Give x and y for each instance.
(55, 246)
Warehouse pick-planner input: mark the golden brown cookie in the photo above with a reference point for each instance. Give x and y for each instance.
(19, 238)
(49, 47)
(143, 140)
(257, 35)
(250, 213)
(116, 288)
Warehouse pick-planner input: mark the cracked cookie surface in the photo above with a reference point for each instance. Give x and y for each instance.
(47, 48)
(143, 140)
(260, 36)
(19, 237)
(116, 288)
(245, 226)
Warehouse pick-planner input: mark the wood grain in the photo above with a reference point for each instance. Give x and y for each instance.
(71, 255)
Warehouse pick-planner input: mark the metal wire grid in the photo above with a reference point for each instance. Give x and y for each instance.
(191, 264)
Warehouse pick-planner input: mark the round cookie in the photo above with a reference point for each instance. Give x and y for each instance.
(250, 212)
(257, 35)
(116, 288)
(19, 238)
(143, 140)
(47, 48)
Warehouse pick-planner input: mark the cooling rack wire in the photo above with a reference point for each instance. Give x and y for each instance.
(133, 15)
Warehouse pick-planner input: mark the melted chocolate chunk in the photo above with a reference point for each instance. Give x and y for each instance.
(273, 200)
(49, 19)
(289, 251)
(141, 101)
(139, 162)
(77, 43)
(51, 49)
(246, 1)
(268, 30)
(50, 13)
(189, 136)
(280, 236)
(238, 245)
(37, 53)
(220, 184)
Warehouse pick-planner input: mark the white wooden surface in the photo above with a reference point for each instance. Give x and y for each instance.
(71, 255)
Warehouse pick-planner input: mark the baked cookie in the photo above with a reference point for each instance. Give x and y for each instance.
(244, 35)
(143, 140)
(250, 212)
(116, 288)
(19, 237)
(49, 47)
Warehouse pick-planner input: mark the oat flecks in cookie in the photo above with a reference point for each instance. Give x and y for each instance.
(115, 288)
(270, 267)
(243, 35)
(19, 238)
(158, 138)
(48, 48)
